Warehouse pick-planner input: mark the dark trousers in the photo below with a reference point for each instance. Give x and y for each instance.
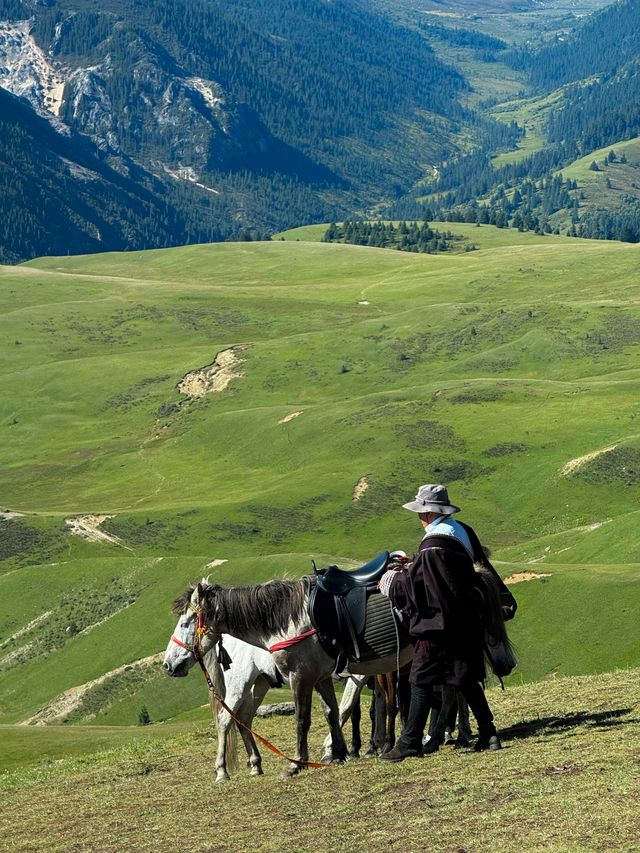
(457, 718)
(423, 699)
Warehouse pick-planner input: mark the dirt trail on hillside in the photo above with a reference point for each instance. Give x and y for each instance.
(87, 527)
(66, 703)
(575, 464)
(519, 577)
(360, 488)
(8, 514)
(33, 624)
(214, 377)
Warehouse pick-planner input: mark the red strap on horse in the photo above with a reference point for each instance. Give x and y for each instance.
(286, 644)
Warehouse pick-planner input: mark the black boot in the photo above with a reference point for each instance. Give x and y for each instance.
(401, 751)
(491, 742)
(409, 744)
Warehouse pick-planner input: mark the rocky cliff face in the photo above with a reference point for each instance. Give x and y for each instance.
(144, 106)
(26, 71)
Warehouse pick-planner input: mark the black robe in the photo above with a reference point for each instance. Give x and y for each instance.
(509, 604)
(440, 595)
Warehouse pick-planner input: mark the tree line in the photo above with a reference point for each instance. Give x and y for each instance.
(406, 237)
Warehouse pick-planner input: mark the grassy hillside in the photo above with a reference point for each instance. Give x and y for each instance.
(613, 180)
(510, 373)
(564, 783)
(532, 115)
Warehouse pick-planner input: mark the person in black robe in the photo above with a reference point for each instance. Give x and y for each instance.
(441, 598)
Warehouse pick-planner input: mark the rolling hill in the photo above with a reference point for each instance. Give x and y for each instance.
(509, 372)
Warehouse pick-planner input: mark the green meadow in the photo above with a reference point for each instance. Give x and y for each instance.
(509, 373)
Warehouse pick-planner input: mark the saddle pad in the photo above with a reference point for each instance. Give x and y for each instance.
(380, 636)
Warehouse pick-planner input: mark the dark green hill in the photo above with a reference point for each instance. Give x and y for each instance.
(263, 115)
(56, 193)
(61, 195)
(600, 44)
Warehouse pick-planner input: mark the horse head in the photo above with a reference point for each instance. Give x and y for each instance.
(192, 636)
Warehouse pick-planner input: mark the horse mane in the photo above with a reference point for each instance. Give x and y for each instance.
(181, 602)
(268, 607)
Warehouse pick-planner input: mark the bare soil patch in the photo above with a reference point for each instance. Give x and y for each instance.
(7, 514)
(290, 417)
(360, 488)
(519, 577)
(88, 527)
(575, 464)
(214, 377)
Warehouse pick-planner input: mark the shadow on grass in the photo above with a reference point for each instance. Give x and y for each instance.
(550, 725)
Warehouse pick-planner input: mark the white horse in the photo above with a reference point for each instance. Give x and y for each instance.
(252, 672)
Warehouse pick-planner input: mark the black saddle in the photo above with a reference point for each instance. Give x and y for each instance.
(338, 581)
(349, 612)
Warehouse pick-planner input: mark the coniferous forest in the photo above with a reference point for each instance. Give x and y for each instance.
(406, 237)
(202, 121)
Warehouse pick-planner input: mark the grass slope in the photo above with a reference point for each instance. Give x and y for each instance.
(564, 783)
(623, 178)
(495, 371)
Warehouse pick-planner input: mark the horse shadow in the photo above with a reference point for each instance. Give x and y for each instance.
(555, 724)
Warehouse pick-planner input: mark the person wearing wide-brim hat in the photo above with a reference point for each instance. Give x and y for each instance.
(441, 596)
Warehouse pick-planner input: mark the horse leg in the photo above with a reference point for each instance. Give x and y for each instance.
(223, 724)
(302, 688)
(245, 713)
(356, 736)
(350, 695)
(332, 715)
(464, 727)
(380, 714)
(372, 751)
(392, 711)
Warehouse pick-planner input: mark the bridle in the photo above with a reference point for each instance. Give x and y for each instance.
(201, 630)
(195, 648)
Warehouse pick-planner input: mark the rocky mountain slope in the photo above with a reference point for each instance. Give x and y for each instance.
(259, 117)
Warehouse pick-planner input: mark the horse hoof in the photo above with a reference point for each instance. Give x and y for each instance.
(223, 777)
(290, 771)
(353, 754)
(256, 771)
(370, 753)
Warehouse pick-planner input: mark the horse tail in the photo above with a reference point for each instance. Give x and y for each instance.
(499, 649)
(220, 689)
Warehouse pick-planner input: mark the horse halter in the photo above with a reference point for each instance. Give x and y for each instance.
(195, 648)
(201, 630)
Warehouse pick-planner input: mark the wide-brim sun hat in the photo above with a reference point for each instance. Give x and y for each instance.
(432, 498)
